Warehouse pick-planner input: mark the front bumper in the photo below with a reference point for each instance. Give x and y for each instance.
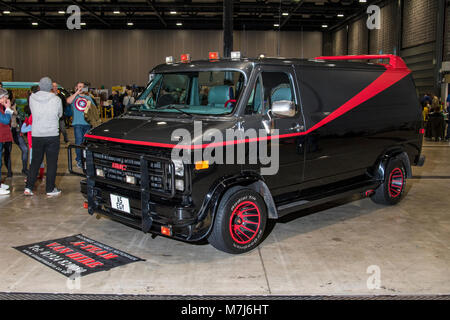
(180, 219)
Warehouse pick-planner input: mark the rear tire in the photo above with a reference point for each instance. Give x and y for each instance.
(391, 191)
(240, 221)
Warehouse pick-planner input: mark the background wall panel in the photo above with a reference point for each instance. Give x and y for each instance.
(112, 57)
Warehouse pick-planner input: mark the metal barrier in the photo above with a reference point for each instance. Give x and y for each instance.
(69, 160)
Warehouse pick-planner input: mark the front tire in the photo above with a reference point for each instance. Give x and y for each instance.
(240, 221)
(391, 191)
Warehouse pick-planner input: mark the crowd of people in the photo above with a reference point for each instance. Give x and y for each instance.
(49, 113)
(38, 133)
(435, 116)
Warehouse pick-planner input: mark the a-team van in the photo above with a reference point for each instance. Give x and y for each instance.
(339, 127)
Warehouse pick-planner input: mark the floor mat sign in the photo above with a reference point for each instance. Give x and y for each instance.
(77, 255)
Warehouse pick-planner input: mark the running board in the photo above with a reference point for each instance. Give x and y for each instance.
(313, 200)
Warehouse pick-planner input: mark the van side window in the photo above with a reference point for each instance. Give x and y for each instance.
(277, 87)
(255, 103)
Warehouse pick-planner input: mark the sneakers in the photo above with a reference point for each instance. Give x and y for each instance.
(55, 192)
(4, 186)
(28, 192)
(3, 192)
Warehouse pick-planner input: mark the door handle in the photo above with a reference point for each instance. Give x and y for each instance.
(297, 128)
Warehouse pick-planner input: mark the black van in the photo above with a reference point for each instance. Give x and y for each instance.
(339, 127)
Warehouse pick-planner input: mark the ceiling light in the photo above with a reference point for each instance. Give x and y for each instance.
(173, 12)
(179, 24)
(116, 12)
(61, 12)
(83, 24)
(6, 12)
(276, 25)
(130, 24)
(285, 13)
(362, 1)
(34, 23)
(340, 15)
(324, 26)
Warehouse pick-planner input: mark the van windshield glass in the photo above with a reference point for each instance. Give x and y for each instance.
(202, 92)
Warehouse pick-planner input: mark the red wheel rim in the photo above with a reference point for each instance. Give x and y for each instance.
(396, 181)
(245, 222)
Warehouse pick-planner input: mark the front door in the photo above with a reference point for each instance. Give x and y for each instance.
(271, 84)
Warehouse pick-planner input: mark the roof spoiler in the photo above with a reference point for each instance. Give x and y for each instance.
(395, 62)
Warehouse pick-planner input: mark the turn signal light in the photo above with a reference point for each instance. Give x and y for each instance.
(214, 55)
(85, 205)
(166, 231)
(201, 165)
(185, 57)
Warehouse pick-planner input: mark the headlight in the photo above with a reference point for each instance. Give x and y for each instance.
(179, 167)
(131, 179)
(100, 173)
(179, 185)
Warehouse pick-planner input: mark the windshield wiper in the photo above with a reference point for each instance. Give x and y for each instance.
(172, 106)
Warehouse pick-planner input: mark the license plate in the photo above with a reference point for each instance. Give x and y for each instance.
(120, 203)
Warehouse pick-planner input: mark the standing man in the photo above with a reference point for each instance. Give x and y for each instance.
(46, 109)
(5, 131)
(79, 102)
(62, 125)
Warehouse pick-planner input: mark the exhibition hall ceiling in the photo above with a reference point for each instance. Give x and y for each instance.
(294, 15)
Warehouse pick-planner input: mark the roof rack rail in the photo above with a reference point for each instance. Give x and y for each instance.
(395, 62)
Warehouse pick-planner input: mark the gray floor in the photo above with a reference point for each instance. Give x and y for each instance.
(325, 253)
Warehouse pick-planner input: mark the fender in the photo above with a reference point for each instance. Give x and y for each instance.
(248, 179)
(392, 154)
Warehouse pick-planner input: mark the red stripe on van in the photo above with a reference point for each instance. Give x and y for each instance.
(390, 77)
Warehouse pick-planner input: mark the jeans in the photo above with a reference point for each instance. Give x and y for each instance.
(62, 129)
(79, 131)
(50, 147)
(20, 141)
(7, 148)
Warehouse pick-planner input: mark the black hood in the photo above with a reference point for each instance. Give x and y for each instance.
(157, 130)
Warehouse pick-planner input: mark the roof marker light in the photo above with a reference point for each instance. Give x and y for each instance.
(185, 57)
(213, 55)
(235, 55)
(169, 60)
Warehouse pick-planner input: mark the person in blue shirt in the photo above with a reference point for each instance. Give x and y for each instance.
(79, 102)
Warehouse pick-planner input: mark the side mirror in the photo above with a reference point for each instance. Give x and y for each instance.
(283, 108)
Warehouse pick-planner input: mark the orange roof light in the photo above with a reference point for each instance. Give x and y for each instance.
(185, 57)
(214, 55)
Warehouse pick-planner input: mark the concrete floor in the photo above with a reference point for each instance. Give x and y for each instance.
(325, 253)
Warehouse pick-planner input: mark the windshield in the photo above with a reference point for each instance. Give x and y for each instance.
(202, 92)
